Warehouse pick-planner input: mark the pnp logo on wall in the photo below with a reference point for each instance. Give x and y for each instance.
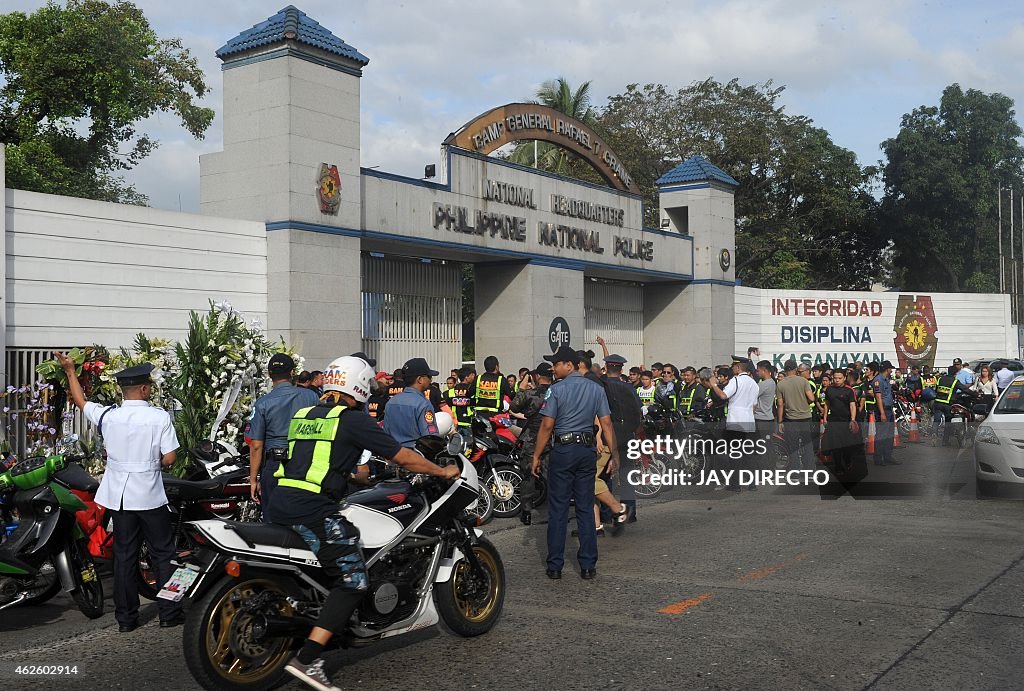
(915, 326)
(328, 190)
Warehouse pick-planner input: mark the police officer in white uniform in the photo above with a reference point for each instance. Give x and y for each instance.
(139, 439)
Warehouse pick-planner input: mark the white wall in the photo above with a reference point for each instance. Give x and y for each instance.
(967, 325)
(82, 271)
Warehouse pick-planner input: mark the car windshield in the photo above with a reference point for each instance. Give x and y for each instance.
(1012, 401)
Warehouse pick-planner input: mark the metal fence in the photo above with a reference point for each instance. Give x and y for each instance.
(21, 366)
(412, 308)
(615, 311)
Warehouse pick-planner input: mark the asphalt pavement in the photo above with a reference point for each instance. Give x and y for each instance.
(920, 587)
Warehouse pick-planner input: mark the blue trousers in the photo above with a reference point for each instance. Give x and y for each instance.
(572, 470)
(884, 437)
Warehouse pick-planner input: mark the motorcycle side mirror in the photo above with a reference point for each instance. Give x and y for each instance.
(456, 445)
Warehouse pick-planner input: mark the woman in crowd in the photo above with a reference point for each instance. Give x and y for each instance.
(985, 386)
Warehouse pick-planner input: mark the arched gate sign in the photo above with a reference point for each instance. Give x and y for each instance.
(524, 121)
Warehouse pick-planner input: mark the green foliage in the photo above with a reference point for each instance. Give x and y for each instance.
(803, 208)
(76, 81)
(942, 175)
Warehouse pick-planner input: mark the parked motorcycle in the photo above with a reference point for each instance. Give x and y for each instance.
(496, 456)
(225, 495)
(48, 550)
(256, 590)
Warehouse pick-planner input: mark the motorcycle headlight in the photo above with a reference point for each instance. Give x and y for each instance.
(986, 435)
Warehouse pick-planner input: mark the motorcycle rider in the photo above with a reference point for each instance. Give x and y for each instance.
(326, 443)
(670, 389)
(646, 390)
(492, 392)
(460, 400)
(528, 404)
(409, 415)
(379, 397)
(948, 389)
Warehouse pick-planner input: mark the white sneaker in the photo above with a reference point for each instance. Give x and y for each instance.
(313, 674)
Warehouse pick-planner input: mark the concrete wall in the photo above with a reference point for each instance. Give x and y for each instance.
(688, 325)
(967, 325)
(515, 305)
(81, 271)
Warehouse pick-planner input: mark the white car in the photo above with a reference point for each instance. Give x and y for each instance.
(999, 446)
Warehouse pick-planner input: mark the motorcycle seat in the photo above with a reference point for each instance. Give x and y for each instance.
(269, 534)
(192, 489)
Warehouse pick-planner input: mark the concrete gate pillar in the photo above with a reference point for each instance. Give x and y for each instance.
(291, 104)
(515, 307)
(694, 323)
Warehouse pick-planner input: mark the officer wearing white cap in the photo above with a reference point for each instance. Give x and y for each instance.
(139, 439)
(569, 411)
(409, 415)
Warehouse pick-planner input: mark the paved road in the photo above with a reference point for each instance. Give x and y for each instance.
(708, 590)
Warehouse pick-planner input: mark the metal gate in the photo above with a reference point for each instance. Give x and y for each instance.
(615, 311)
(412, 308)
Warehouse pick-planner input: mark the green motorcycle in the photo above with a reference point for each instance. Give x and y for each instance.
(48, 550)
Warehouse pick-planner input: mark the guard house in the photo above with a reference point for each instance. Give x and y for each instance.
(362, 259)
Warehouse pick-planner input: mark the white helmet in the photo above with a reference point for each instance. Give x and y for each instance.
(445, 423)
(349, 375)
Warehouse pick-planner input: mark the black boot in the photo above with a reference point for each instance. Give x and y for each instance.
(526, 517)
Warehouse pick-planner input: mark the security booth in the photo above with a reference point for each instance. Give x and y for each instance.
(365, 259)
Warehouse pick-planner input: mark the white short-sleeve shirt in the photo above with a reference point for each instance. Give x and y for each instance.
(136, 436)
(742, 393)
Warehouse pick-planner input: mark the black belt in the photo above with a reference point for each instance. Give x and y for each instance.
(585, 438)
(278, 454)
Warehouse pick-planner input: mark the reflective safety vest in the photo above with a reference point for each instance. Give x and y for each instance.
(488, 399)
(816, 389)
(687, 402)
(869, 393)
(646, 395)
(310, 440)
(673, 396)
(945, 389)
(461, 404)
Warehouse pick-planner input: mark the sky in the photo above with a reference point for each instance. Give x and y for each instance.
(855, 68)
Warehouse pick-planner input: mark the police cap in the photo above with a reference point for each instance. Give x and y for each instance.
(281, 363)
(417, 367)
(885, 365)
(563, 354)
(543, 369)
(135, 376)
(615, 360)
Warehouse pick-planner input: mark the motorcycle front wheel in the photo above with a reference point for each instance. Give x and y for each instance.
(219, 641)
(88, 592)
(645, 487)
(504, 485)
(470, 603)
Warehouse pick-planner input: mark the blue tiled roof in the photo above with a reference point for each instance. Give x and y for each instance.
(290, 23)
(696, 169)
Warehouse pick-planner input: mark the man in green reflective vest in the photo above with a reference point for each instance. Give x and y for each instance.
(946, 392)
(493, 392)
(325, 442)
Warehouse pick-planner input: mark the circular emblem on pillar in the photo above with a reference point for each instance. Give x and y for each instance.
(558, 333)
(328, 190)
(725, 259)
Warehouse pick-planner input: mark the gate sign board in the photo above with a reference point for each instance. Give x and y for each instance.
(837, 328)
(558, 333)
(525, 121)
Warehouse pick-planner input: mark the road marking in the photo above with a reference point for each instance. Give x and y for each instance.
(680, 607)
(758, 574)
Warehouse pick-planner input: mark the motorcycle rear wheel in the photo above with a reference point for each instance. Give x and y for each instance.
(88, 592)
(469, 606)
(219, 649)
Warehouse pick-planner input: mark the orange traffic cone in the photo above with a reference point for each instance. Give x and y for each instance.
(915, 434)
(871, 434)
(896, 443)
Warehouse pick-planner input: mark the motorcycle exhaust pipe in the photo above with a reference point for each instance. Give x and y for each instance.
(287, 627)
(17, 598)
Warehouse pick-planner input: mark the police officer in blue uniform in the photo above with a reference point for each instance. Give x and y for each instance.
(568, 414)
(409, 415)
(268, 428)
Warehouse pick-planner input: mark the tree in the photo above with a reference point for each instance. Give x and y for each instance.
(803, 207)
(77, 80)
(941, 177)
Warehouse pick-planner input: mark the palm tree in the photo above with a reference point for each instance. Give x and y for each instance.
(559, 95)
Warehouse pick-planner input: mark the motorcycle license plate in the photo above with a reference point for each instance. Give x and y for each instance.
(179, 584)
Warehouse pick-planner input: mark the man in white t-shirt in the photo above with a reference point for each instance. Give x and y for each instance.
(741, 392)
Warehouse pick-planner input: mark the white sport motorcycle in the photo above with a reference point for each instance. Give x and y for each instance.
(254, 591)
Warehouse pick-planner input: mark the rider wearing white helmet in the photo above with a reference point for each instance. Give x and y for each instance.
(325, 443)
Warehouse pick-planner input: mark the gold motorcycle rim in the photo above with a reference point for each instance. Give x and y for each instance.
(477, 609)
(231, 651)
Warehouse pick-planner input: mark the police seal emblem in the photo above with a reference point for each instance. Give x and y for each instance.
(328, 189)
